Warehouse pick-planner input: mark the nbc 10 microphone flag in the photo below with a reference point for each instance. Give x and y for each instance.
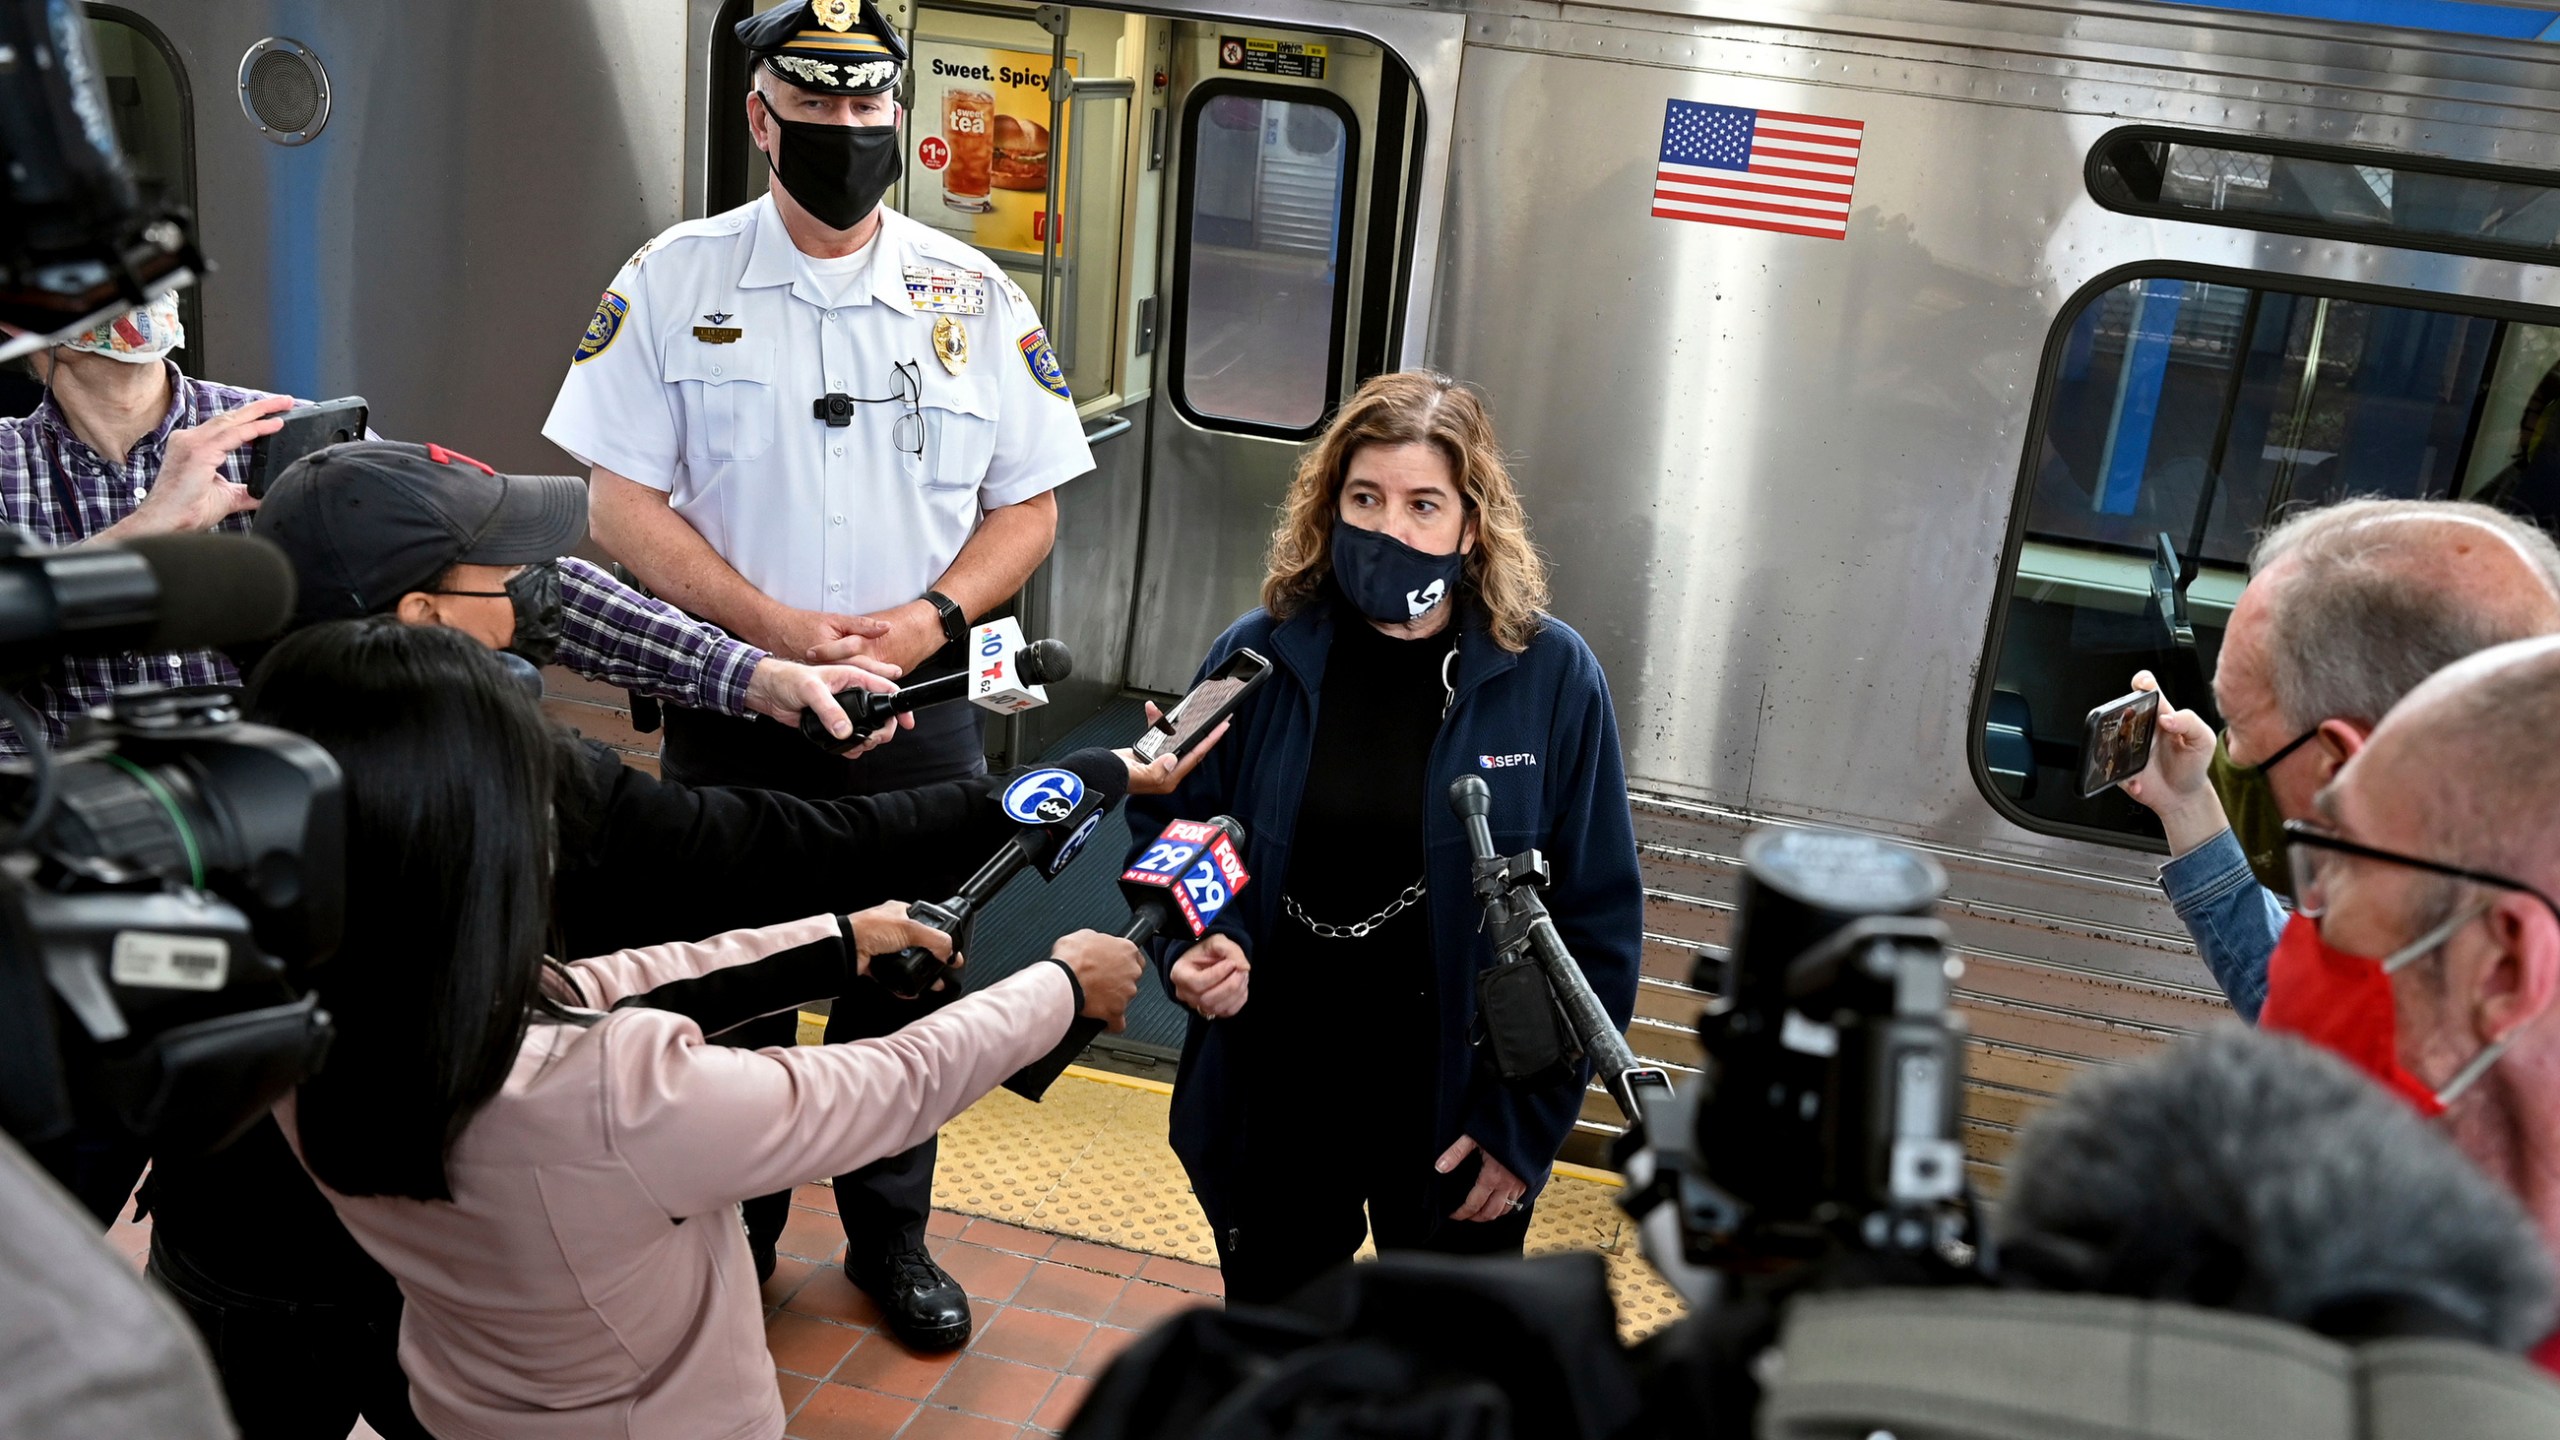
(1758, 169)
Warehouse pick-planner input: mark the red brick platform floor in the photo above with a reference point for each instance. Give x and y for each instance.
(1051, 1313)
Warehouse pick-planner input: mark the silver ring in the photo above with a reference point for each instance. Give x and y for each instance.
(1519, 1205)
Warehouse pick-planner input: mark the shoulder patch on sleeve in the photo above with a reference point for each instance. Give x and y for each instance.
(1043, 363)
(604, 327)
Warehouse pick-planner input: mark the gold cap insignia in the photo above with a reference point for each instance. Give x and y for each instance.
(836, 15)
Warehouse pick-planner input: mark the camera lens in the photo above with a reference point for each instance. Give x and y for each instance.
(112, 814)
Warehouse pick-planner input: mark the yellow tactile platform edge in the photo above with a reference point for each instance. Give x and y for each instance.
(1091, 1161)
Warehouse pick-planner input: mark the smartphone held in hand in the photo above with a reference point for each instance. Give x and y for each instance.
(1198, 713)
(2117, 743)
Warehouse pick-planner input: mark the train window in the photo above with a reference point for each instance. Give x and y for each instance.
(2368, 196)
(1266, 198)
(2179, 418)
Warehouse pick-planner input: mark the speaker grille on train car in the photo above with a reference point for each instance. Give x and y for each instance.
(284, 90)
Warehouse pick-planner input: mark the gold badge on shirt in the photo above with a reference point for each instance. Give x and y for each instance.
(951, 342)
(719, 331)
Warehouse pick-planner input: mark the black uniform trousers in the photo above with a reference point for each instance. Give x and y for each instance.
(883, 1205)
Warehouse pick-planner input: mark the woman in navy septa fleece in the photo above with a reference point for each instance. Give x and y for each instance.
(1329, 1066)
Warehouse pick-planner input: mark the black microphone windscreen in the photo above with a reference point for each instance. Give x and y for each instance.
(1045, 662)
(2247, 1171)
(215, 589)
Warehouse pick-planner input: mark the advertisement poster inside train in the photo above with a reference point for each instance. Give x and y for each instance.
(979, 145)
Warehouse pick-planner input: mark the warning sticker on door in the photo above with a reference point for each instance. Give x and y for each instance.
(1256, 56)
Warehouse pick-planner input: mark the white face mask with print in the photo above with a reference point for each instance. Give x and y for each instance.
(137, 337)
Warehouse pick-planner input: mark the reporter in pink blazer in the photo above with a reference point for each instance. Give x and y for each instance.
(549, 1171)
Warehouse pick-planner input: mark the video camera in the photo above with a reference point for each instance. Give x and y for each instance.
(172, 874)
(1829, 1120)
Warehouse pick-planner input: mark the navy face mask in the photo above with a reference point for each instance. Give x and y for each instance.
(1388, 580)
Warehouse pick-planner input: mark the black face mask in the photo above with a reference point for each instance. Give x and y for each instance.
(837, 172)
(535, 594)
(1388, 580)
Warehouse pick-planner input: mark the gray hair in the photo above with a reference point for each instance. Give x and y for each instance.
(2378, 596)
(2249, 1171)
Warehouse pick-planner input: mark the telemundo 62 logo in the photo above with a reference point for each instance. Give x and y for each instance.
(1043, 797)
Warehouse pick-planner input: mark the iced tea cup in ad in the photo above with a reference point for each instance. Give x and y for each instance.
(968, 127)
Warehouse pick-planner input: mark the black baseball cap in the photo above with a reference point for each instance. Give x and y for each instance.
(367, 522)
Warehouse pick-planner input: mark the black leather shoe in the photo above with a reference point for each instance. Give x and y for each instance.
(926, 1307)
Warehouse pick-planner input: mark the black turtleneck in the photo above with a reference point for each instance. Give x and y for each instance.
(1358, 844)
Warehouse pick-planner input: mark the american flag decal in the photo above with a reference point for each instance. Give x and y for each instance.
(1759, 169)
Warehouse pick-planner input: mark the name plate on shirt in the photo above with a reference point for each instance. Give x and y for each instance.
(935, 290)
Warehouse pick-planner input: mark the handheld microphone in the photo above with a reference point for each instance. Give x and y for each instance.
(157, 592)
(1186, 877)
(1004, 675)
(1058, 808)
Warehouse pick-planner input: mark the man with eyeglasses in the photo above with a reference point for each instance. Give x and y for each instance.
(2426, 949)
(834, 431)
(2346, 610)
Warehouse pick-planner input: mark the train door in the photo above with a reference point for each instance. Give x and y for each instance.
(1288, 236)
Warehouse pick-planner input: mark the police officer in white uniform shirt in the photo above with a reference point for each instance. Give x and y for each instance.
(833, 431)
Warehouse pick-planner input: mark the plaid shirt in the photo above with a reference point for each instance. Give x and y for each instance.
(59, 492)
(613, 633)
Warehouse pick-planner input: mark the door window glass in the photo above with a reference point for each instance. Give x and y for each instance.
(2365, 196)
(2182, 419)
(1266, 193)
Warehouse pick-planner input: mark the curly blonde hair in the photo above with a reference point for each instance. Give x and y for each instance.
(1413, 407)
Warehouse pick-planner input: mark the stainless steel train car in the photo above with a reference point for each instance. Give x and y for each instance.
(1889, 378)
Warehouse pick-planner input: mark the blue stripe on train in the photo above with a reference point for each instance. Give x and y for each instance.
(2456, 16)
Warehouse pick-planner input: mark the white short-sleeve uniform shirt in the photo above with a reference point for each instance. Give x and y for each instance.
(698, 374)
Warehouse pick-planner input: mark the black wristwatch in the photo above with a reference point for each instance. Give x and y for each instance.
(955, 623)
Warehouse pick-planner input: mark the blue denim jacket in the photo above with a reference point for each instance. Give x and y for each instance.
(2234, 919)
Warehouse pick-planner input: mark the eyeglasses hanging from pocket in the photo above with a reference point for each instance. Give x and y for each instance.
(906, 392)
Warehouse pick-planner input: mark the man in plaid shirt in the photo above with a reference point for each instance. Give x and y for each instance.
(126, 444)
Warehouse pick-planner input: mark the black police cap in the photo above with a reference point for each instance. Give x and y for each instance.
(834, 47)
